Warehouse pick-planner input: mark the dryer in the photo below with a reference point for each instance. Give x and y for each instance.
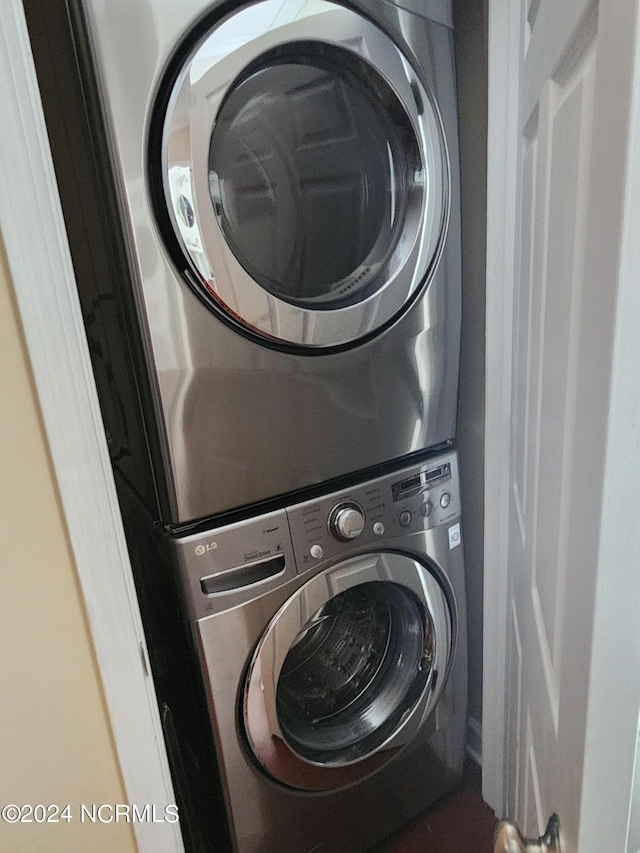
(332, 644)
(286, 176)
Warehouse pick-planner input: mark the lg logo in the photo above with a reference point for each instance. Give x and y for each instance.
(202, 549)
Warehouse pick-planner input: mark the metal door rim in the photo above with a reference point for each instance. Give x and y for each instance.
(265, 737)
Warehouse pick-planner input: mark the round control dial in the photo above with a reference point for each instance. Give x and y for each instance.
(346, 521)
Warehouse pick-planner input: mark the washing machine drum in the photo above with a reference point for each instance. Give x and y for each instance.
(348, 671)
(299, 172)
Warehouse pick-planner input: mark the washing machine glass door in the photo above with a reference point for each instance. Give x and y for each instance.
(347, 671)
(303, 185)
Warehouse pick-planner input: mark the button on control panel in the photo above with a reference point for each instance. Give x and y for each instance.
(426, 508)
(417, 498)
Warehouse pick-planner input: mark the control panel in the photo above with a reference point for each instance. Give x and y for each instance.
(225, 566)
(375, 512)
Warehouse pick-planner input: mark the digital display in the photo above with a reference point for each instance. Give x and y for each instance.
(434, 474)
(412, 483)
(419, 481)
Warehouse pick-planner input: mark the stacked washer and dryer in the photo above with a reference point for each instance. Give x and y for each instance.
(288, 189)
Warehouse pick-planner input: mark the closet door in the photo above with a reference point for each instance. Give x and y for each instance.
(561, 178)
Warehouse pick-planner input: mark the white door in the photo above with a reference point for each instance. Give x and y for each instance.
(559, 717)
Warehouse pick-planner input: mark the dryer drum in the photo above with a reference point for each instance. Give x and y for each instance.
(357, 667)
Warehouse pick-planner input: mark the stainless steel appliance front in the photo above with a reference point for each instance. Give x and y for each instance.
(335, 667)
(305, 173)
(288, 181)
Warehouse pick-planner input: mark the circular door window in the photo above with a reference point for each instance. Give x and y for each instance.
(304, 174)
(352, 673)
(313, 165)
(347, 671)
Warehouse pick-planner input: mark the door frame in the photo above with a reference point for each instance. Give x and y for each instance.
(614, 696)
(45, 287)
(502, 148)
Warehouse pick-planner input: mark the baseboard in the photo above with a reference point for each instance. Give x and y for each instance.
(474, 740)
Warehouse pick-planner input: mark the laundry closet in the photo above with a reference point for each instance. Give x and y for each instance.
(293, 413)
(561, 403)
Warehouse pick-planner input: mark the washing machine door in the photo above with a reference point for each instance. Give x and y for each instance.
(299, 172)
(347, 671)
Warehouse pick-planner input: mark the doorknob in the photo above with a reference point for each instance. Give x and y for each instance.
(508, 838)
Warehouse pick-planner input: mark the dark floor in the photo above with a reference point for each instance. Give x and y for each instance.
(459, 823)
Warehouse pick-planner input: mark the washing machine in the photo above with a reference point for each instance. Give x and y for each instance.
(331, 640)
(285, 194)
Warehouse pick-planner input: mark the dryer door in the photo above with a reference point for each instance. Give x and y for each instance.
(348, 671)
(300, 175)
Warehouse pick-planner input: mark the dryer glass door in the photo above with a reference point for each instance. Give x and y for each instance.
(304, 171)
(312, 168)
(355, 662)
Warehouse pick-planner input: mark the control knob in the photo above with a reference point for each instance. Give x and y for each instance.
(346, 521)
